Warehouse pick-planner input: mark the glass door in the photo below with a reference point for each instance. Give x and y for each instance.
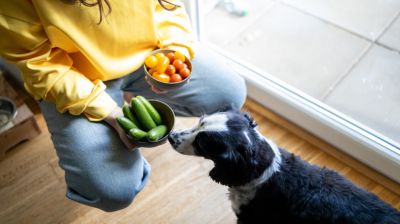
(332, 67)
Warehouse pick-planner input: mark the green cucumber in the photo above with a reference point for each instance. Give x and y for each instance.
(137, 134)
(126, 109)
(125, 123)
(156, 133)
(152, 111)
(143, 116)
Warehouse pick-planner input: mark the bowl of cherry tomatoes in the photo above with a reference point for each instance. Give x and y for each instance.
(167, 69)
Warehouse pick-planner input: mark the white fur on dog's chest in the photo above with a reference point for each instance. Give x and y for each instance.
(240, 197)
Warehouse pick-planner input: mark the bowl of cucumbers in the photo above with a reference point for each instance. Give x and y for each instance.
(147, 122)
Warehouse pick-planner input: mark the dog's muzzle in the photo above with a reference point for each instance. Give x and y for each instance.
(173, 140)
(182, 141)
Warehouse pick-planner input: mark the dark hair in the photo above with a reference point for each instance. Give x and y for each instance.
(100, 3)
(162, 3)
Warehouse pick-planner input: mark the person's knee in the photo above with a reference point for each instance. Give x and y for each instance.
(238, 95)
(108, 193)
(107, 198)
(232, 95)
(114, 198)
(117, 195)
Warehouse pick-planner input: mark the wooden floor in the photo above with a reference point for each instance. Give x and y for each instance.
(32, 187)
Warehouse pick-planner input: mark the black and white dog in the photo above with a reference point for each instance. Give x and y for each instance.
(269, 185)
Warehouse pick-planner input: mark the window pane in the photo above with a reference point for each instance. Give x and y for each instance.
(344, 53)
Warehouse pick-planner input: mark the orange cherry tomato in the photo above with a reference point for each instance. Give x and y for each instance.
(170, 70)
(178, 64)
(151, 71)
(180, 56)
(171, 56)
(175, 78)
(162, 65)
(162, 77)
(184, 73)
(150, 61)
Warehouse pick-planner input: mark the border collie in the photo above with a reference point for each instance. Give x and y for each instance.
(269, 185)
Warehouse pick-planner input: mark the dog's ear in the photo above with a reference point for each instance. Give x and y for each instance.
(223, 175)
(229, 169)
(252, 122)
(228, 174)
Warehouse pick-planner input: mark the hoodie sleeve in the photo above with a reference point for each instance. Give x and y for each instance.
(48, 72)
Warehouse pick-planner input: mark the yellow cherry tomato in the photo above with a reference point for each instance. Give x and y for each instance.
(150, 61)
(162, 77)
(162, 65)
(180, 56)
(160, 56)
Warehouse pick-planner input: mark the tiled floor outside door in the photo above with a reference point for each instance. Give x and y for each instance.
(345, 53)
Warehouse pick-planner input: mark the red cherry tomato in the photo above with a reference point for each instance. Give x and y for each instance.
(184, 73)
(175, 78)
(170, 70)
(178, 64)
(171, 56)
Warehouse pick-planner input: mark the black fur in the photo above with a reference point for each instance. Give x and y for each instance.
(303, 193)
(234, 163)
(298, 193)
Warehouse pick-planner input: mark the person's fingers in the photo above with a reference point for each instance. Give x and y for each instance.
(124, 138)
(127, 96)
(158, 91)
(155, 89)
(129, 145)
(147, 80)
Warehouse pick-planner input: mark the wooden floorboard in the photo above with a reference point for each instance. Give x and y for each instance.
(32, 188)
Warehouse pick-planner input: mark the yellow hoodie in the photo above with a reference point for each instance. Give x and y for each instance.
(65, 55)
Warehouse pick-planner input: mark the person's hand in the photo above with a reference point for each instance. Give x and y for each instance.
(112, 121)
(154, 89)
(128, 97)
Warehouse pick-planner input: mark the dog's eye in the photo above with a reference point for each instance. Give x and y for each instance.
(250, 119)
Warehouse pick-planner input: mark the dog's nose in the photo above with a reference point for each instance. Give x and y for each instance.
(172, 140)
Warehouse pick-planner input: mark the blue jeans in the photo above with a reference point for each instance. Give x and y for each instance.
(99, 171)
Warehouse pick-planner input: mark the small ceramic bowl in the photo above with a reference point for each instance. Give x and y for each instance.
(8, 111)
(163, 85)
(168, 118)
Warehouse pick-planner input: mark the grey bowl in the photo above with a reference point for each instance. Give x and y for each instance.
(168, 118)
(162, 85)
(8, 110)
